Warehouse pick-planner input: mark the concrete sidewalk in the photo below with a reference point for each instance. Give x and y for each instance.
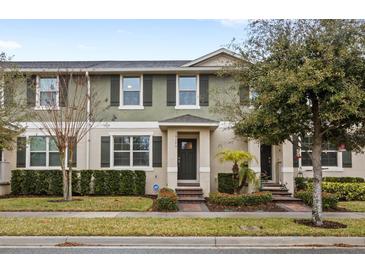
(351, 215)
(23, 241)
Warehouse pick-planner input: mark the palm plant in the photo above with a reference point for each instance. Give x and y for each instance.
(241, 172)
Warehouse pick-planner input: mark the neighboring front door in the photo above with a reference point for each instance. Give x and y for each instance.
(186, 159)
(266, 162)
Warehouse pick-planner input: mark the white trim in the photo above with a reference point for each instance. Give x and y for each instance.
(210, 55)
(172, 169)
(121, 103)
(197, 92)
(137, 133)
(325, 169)
(189, 124)
(256, 169)
(204, 169)
(287, 169)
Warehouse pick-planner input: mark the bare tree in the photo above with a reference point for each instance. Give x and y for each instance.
(69, 123)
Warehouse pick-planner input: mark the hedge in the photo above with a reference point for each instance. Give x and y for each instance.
(240, 199)
(226, 184)
(344, 191)
(341, 179)
(329, 200)
(166, 200)
(84, 182)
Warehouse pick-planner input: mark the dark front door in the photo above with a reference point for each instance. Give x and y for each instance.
(186, 159)
(266, 162)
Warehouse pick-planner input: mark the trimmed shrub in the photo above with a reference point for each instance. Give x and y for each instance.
(76, 182)
(344, 191)
(140, 182)
(100, 184)
(166, 200)
(226, 184)
(55, 183)
(85, 181)
(341, 179)
(16, 181)
(225, 199)
(328, 200)
(300, 183)
(128, 179)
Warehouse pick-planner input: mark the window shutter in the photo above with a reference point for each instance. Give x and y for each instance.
(244, 94)
(21, 151)
(105, 151)
(147, 90)
(63, 86)
(295, 148)
(8, 91)
(171, 90)
(347, 158)
(204, 90)
(31, 87)
(74, 155)
(157, 151)
(114, 90)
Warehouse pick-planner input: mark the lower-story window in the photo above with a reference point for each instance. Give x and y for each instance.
(329, 156)
(43, 152)
(131, 151)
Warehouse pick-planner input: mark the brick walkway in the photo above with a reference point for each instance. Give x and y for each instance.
(193, 207)
(294, 207)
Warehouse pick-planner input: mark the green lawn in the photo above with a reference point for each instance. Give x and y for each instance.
(170, 227)
(358, 206)
(84, 203)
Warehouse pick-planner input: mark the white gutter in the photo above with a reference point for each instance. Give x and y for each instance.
(88, 120)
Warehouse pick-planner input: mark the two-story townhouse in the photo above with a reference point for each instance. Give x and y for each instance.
(157, 118)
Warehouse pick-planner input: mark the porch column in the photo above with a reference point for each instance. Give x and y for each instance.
(172, 158)
(204, 161)
(254, 148)
(287, 170)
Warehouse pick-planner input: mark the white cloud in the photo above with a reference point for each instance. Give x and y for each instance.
(233, 23)
(85, 47)
(9, 45)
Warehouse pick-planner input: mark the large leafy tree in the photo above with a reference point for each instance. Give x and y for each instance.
(12, 108)
(308, 79)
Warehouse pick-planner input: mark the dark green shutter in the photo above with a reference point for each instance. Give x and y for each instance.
(295, 148)
(147, 90)
(63, 85)
(347, 158)
(171, 90)
(114, 90)
(74, 155)
(204, 90)
(244, 94)
(105, 151)
(31, 87)
(21, 151)
(157, 151)
(9, 90)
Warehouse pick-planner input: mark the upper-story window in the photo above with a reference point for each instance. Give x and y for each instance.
(48, 92)
(131, 96)
(188, 91)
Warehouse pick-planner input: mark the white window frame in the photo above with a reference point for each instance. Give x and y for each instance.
(131, 167)
(325, 168)
(47, 151)
(38, 93)
(197, 103)
(121, 97)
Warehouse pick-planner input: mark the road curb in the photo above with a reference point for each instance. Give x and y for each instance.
(182, 241)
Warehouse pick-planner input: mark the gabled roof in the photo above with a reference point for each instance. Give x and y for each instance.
(210, 55)
(189, 120)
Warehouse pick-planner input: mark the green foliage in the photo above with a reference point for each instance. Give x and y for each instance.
(300, 183)
(344, 179)
(235, 156)
(166, 200)
(344, 191)
(105, 182)
(226, 184)
(328, 200)
(240, 199)
(140, 182)
(85, 181)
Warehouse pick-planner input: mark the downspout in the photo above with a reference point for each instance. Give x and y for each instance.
(88, 121)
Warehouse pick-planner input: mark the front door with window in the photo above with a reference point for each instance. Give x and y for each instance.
(186, 159)
(266, 162)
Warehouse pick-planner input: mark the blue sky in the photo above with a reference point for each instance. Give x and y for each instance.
(116, 39)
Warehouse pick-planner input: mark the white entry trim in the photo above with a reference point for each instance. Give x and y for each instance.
(287, 169)
(171, 169)
(204, 169)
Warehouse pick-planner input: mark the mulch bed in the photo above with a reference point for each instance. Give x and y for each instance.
(326, 224)
(269, 207)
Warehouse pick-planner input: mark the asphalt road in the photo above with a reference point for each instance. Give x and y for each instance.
(156, 250)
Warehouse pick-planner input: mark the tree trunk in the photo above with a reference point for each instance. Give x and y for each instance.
(69, 198)
(64, 176)
(235, 177)
(317, 167)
